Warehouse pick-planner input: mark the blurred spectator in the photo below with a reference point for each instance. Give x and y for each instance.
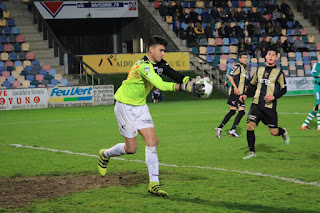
(257, 52)
(163, 10)
(208, 31)
(234, 16)
(299, 45)
(198, 30)
(263, 44)
(179, 6)
(242, 15)
(248, 47)
(264, 52)
(250, 16)
(237, 31)
(156, 96)
(193, 15)
(270, 43)
(284, 7)
(191, 40)
(289, 16)
(171, 8)
(190, 28)
(286, 46)
(270, 29)
(215, 14)
(250, 29)
(221, 31)
(257, 30)
(278, 46)
(228, 30)
(276, 15)
(176, 26)
(205, 16)
(269, 7)
(241, 46)
(278, 29)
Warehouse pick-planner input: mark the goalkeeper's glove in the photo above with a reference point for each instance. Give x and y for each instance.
(192, 87)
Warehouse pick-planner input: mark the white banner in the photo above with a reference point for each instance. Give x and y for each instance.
(87, 9)
(299, 83)
(103, 94)
(300, 86)
(70, 96)
(23, 99)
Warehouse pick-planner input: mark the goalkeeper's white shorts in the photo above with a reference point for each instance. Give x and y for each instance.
(132, 118)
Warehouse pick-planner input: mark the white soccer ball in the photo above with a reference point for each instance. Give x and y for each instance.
(207, 87)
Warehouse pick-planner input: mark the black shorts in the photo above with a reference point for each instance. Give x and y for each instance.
(268, 116)
(233, 100)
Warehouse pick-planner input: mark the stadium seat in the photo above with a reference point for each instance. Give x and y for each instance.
(58, 77)
(16, 84)
(210, 50)
(7, 30)
(46, 67)
(219, 42)
(10, 22)
(4, 56)
(203, 42)
(25, 84)
(13, 56)
(11, 79)
(6, 14)
(6, 84)
(15, 30)
(22, 56)
(202, 50)
(30, 77)
(20, 38)
(25, 47)
(6, 74)
(225, 50)
(54, 82)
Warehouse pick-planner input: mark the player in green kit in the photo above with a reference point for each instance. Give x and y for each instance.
(316, 109)
(133, 114)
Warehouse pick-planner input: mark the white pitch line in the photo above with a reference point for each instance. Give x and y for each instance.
(173, 165)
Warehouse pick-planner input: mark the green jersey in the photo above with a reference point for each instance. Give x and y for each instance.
(316, 72)
(141, 79)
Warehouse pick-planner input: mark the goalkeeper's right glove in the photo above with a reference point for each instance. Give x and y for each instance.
(192, 87)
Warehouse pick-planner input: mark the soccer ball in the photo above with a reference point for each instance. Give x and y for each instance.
(207, 87)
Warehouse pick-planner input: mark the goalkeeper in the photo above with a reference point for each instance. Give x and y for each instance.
(133, 114)
(316, 109)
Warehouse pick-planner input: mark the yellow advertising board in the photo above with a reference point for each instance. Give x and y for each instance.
(121, 63)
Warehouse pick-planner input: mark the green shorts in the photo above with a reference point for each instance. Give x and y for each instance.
(317, 94)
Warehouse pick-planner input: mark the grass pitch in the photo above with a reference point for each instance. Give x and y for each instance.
(200, 172)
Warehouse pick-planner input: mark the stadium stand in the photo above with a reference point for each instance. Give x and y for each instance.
(19, 67)
(260, 23)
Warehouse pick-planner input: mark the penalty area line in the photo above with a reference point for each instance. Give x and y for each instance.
(177, 166)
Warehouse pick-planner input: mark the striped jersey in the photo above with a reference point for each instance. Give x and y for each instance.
(239, 75)
(269, 81)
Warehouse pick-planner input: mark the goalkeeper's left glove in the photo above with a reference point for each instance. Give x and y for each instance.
(192, 87)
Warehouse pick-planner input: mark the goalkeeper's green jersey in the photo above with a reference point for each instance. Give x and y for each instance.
(141, 79)
(316, 72)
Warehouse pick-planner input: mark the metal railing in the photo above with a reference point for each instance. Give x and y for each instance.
(83, 71)
(214, 72)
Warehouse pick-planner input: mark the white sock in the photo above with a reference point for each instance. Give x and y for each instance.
(116, 150)
(152, 163)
